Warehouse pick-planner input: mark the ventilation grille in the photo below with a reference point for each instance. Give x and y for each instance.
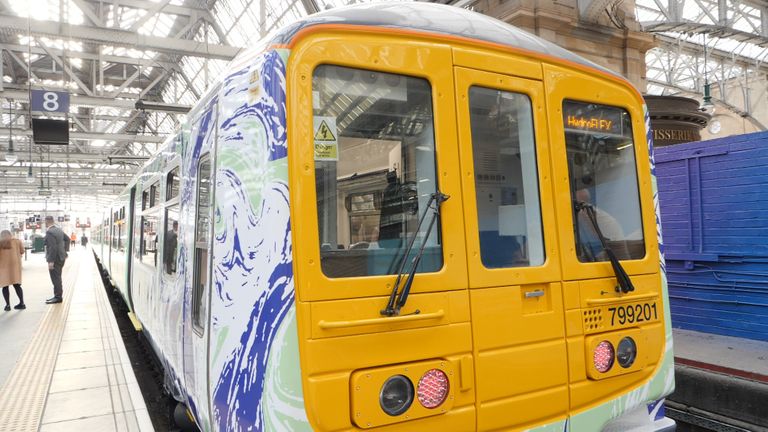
(593, 319)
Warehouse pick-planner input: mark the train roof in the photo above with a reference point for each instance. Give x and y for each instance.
(436, 19)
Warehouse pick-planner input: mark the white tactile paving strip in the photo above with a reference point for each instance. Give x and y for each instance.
(75, 375)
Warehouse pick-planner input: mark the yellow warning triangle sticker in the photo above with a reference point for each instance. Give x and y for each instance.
(324, 133)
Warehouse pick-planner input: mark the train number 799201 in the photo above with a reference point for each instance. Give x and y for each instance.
(633, 313)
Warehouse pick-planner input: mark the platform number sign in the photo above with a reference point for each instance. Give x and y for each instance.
(50, 101)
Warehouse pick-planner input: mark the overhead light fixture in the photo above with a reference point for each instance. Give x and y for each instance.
(707, 106)
(10, 156)
(151, 106)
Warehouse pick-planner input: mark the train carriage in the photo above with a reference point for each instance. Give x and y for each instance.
(404, 217)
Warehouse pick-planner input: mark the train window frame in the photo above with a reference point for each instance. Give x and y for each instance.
(609, 225)
(410, 61)
(114, 230)
(200, 261)
(481, 276)
(169, 208)
(154, 214)
(120, 229)
(170, 178)
(405, 180)
(531, 245)
(154, 194)
(565, 83)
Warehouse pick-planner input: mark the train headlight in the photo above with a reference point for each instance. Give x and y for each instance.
(396, 395)
(603, 356)
(433, 388)
(626, 352)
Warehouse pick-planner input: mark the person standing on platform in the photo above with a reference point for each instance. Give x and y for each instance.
(73, 239)
(11, 250)
(55, 255)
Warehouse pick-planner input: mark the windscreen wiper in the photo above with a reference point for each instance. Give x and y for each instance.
(625, 283)
(397, 302)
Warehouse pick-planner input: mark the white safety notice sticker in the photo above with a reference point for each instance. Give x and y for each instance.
(326, 138)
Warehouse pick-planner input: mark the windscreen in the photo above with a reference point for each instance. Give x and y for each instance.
(603, 175)
(374, 153)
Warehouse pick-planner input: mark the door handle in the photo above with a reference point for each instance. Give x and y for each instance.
(533, 294)
(330, 325)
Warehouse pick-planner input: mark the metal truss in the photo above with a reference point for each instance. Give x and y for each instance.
(720, 42)
(107, 55)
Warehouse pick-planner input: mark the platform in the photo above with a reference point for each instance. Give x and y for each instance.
(64, 367)
(721, 382)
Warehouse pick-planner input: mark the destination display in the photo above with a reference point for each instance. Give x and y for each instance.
(586, 117)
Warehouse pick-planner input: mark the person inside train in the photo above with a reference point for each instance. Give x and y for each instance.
(588, 237)
(11, 250)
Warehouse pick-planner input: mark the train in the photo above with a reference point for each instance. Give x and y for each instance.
(403, 217)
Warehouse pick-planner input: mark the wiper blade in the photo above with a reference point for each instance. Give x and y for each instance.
(625, 283)
(396, 302)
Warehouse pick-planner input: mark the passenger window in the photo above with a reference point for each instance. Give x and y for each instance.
(172, 184)
(374, 169)
(144, 200)
(148, 247)
(171, 241)
(506, 179)
(154, 194)
(122, 232)
(603, 178)
(115, 230)
(202, 225)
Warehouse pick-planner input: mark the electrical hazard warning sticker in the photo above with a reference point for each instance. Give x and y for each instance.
(326, 139)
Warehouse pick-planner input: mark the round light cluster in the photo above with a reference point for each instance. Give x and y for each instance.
(603, 356)
(396, 395)
(626, 352)
(433, 388)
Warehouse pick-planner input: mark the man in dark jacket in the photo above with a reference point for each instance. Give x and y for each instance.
(55, 255)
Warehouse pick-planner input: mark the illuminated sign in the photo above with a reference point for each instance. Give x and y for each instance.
(596, 118)
(591, 123)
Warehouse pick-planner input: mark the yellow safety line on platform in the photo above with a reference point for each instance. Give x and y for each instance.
(22, 398)
(135, 321)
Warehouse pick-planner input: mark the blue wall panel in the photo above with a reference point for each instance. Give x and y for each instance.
(714, 215)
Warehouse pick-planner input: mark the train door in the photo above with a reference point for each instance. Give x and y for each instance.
(374, 138)
(512, 255)
(603, 185)
(198, 234)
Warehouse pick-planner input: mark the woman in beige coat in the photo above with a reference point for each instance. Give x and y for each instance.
(11, 250)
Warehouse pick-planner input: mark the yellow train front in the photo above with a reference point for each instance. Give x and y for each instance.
(515, 318)
(423, 219)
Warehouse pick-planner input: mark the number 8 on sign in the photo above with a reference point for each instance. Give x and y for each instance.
(50, 101)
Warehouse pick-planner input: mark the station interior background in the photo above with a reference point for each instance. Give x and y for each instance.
(165, 53)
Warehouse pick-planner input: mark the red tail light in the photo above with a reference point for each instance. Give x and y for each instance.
(433, 388)
(603, 356)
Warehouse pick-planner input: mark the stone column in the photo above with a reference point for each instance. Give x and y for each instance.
(604, 31)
